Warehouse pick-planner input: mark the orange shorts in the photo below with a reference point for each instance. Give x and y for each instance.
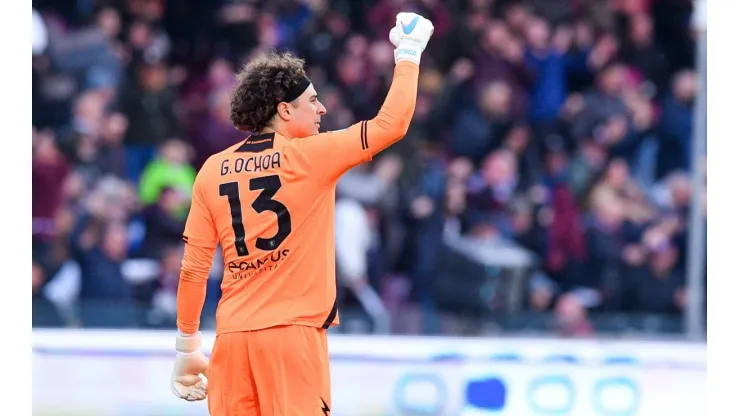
(282, 370)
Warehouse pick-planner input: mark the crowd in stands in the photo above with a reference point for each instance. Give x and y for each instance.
(556, 131)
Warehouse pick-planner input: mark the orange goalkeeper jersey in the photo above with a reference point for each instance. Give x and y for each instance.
(269, 202)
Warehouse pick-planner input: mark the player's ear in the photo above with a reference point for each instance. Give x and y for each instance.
(283, 111)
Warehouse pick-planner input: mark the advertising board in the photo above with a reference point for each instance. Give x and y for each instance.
(121, 373)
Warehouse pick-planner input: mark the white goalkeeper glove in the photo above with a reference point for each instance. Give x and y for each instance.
(410, 36)
(189, 374)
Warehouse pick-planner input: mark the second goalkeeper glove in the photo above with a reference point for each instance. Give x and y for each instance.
(410, 36)
(191, 367)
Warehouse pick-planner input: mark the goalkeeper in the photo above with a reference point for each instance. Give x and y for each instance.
(270, 356)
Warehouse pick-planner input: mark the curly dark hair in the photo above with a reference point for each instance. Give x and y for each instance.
(261, 87)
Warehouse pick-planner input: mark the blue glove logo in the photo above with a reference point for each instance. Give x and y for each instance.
(408, 28)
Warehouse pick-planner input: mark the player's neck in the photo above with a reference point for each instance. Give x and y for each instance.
(279, 130)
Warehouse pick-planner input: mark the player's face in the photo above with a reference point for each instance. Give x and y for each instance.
(306, 118)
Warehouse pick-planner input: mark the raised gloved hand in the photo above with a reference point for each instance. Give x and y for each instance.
(410, 36)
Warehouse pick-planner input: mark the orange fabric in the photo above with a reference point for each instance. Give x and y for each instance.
(269, 202)
(282, 370)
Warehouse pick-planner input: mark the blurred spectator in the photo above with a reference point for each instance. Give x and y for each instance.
(374, 193)
(547, 60)
(214, 131)
(603, 113)
(159, 295)
(49, 170)
(653, 281)
(565, 250)
(479, 128)
(170, 169)
(501, 58)
(100, 249)
(644, 54)
(149, 104)
(605, 240)
(489, 193)
(44, 313)
(88, 53)
(676, 125)
(572, 319)
(437, 208)
(237, 28)
(518, 141)
(164, 222)
(111, 151)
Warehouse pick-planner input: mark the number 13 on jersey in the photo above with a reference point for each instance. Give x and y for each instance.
(269, 185)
